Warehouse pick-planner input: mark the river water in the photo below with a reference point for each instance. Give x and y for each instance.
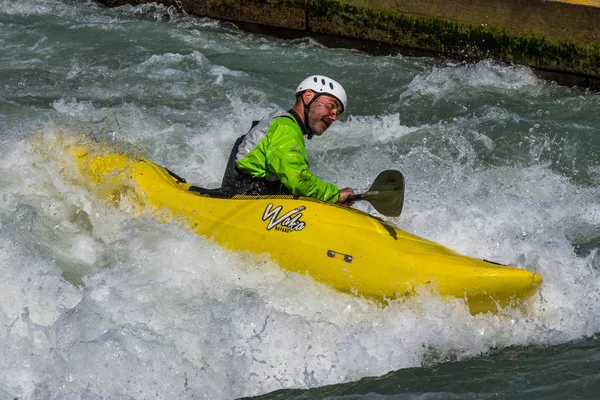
(96, 303)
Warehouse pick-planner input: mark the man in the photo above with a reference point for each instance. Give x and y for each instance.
(272, 159)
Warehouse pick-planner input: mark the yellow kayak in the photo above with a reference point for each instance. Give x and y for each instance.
(344, 248)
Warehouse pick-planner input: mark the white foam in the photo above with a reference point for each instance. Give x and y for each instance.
(450, 81)
(84, 111)
(51, 7)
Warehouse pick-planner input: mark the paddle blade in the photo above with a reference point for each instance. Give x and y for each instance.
(386, 194)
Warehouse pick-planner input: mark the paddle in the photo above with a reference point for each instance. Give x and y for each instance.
(386, 194)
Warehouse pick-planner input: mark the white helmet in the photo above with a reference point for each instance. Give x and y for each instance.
(323, 85)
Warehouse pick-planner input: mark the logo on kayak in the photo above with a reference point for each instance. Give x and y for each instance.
(288, 222)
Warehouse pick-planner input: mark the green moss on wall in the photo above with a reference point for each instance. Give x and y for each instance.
(452, 38)
(383, 25)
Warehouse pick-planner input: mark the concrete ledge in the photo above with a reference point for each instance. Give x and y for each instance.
(555, 37)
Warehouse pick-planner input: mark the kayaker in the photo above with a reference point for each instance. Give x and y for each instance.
(272, 159)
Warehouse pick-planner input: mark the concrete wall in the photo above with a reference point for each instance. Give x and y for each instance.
(551, 36)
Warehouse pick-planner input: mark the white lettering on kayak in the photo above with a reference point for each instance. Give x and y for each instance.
(290, 220)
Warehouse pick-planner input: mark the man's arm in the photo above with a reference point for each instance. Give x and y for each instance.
(287, 159)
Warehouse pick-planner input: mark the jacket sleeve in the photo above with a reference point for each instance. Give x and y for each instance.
(287, 159)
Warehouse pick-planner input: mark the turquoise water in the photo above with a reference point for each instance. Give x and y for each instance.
(97, 303)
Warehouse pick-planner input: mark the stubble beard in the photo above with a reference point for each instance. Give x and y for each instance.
(315, 123)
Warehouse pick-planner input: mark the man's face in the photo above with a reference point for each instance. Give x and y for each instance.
(323, 111)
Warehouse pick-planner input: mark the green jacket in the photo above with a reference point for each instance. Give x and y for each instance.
(274, 149)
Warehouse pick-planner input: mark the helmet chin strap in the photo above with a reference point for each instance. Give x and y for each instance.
(308, 131)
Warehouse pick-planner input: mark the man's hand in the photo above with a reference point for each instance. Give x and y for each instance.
(346, 195)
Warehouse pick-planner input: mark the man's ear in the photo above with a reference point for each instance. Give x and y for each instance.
(307, 96)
